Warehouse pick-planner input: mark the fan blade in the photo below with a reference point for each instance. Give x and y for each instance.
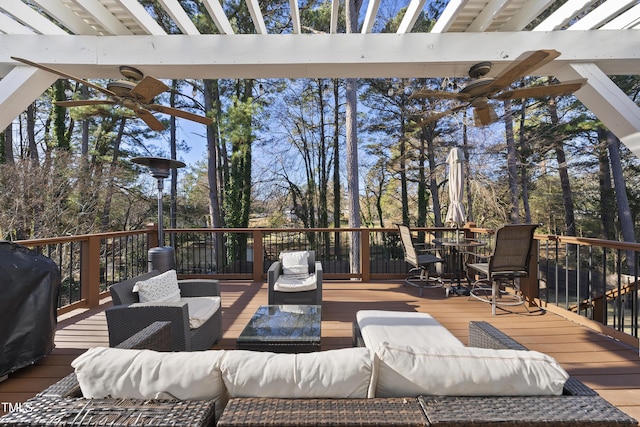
(66, 76)
(84, 102)
(148, 89)
(426, 93)
(149, 119)
(483, 113)
(565, 88)
(435, 116)
(181, 113)
(523, 65)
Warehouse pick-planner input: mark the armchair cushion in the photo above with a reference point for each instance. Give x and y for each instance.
(161, 288)
(404, 371)
(295, 263)
(295, 284)
(200, 309)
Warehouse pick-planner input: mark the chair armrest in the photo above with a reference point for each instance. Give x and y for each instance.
(156, 336)
(199, 287)
(274, 272)
(319, 272)
(125, 321)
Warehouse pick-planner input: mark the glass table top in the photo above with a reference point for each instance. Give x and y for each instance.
(284, 323)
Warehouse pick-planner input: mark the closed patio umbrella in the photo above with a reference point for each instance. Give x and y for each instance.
(455, 212)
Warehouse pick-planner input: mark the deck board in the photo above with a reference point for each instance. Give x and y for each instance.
(608, 366)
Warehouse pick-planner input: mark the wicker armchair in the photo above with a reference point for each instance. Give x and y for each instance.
(310, 297)
(126, 317)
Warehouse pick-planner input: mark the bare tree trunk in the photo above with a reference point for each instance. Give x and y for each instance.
(31, 125)
(352, 10)
(8, 145)
(563, 171)
(607, 195)
(512, 163)
(467, 170)
(624, 213)
(106, 209)
(173, 194)
(337, 191)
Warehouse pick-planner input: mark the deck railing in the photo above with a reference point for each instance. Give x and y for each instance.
(591, 278)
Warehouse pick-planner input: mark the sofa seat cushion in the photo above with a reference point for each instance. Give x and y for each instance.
(295, 284)
(408, 371)
(161, 288)
(342, 373)
(400, 327)
(146, 374)
(200, 308)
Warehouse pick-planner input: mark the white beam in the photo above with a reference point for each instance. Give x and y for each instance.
(449, 14)
(629, 19)
(601, 14)
(142, 17)
(564, 14)
(295, 16)
(30, 17)
(18, 89)
(370, 16)
(607, 101)
(219, 17)
(256, 16)
(335, 8)
(105, 18)
(527, 13)
(66, 17)
(319, 55)
(487, 15)
(11, 26)
(179, 16)
(411, 15)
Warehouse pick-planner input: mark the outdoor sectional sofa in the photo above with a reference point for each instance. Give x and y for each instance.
(266, 406)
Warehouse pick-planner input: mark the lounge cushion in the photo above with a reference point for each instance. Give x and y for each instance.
(161, 288)
(147, 374)
(407, 371)
(295, 263)
(295, 284)
(200, 308)
(342, 373)
(403, 327)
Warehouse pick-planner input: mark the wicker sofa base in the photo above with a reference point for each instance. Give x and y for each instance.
(61, 411)
(250, 412)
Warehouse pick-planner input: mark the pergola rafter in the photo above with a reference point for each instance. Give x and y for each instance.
(86, 38)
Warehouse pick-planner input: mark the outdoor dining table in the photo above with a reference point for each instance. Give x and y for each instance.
(459, 247)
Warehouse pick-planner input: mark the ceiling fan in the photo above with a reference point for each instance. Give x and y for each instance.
(135, 92)
(481, 89)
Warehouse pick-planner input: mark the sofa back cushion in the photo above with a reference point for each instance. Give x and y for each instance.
(406, 371)
(147, 374)
(343, 373)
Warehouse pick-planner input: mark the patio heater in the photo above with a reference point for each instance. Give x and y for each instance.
(161, 258)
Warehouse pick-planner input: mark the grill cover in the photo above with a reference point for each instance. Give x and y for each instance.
(29, 286)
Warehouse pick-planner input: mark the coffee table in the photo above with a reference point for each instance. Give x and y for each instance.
(283, 329)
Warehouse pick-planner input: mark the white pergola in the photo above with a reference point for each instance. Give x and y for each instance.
(92, 38)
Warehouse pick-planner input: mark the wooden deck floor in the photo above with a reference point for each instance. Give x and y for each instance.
(609, 367)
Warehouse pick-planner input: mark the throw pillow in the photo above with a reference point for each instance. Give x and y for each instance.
(295, 263)
(161, 288)
(404, 371)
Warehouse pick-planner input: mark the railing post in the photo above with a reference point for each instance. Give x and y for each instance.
(365, 255)
(258, 255)
(152, 235)
(90, 271)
